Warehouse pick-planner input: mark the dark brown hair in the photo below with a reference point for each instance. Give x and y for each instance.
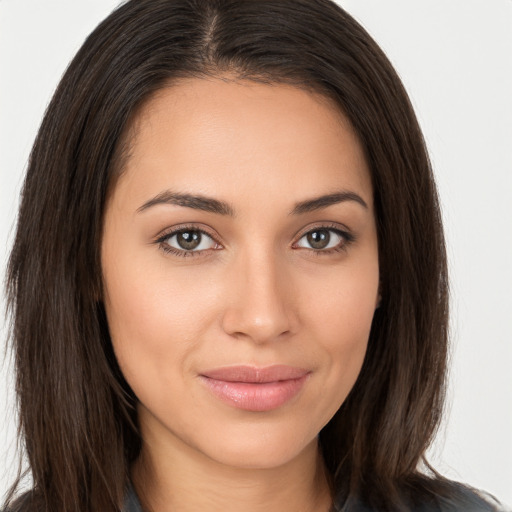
(76, 412)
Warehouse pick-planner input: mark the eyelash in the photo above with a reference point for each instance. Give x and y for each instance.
(161, 242)
(348, 238)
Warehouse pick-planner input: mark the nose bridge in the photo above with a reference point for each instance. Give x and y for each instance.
(260, 307)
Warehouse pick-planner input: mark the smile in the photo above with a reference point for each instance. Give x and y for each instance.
(255, 389)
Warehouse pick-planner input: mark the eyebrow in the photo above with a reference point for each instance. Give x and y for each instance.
(197, 202)
(209, 204)
(318, 203)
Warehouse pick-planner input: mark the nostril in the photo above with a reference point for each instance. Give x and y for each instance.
(258, 320)
(260, 303)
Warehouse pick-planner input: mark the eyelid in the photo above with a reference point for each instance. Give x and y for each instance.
(341, 230)
(328, 225)
(172, 230)
(164, 235)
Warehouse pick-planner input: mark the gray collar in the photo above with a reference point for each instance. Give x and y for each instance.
(131, 502)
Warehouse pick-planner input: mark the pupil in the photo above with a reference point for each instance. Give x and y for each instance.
(189, 240)
(319, 239)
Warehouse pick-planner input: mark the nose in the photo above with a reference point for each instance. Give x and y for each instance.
(260, 304)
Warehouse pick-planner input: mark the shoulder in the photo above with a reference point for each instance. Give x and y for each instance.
(445, 497)
(467, 499)
(28, 502)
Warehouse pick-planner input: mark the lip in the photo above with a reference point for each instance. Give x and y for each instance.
(255, 389)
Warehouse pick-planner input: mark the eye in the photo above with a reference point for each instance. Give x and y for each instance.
(188, 240)
(322, 239)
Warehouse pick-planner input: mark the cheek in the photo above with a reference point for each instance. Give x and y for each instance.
(155, 321)
(342, 317)
(343, 304)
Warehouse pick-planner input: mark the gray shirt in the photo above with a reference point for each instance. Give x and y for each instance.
(471, 501)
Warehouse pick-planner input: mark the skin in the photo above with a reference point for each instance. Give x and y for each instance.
(256, 293)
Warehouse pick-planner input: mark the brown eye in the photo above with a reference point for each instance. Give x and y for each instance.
(318, 239)
(190, 240)
(321, 239)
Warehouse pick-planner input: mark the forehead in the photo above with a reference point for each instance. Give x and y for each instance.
(224, 137)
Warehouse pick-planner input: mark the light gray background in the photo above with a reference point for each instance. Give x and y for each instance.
(455, 57)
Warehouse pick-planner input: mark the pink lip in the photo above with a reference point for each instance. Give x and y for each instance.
(255, 389)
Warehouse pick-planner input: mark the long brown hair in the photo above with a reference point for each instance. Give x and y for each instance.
(76, 412)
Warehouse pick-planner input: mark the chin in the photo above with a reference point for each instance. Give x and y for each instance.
(267, 457)
(265, 447)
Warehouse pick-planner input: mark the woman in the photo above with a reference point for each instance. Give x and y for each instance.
(228, 282)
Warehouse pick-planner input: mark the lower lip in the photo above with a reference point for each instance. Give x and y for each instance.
(256, 397)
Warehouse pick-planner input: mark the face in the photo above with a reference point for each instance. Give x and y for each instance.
(240, 268)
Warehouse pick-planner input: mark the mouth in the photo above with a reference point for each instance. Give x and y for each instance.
(255, 389)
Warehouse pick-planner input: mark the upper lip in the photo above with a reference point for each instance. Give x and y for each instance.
(252, 374)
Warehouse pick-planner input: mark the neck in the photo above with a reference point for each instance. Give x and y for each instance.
(181, 480)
